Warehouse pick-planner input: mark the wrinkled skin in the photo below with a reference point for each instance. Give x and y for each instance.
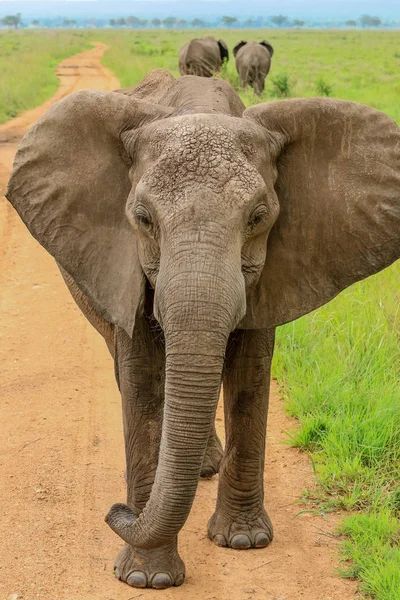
(203, 57)
(253, 62)
(186, 230)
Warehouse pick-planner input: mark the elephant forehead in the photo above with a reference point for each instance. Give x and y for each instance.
(200, 155)
(212, 134)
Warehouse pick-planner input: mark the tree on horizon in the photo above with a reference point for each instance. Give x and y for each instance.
(279, 20)
(12, 20)
(369, 21)
(170, 22)
(69, 23)
(198, 23)
(228, 21)
(132, 21)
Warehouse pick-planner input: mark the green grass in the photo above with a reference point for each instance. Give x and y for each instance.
(338, 368)
(372, 547)
(339, 371)
(362, 66)
(27, 62)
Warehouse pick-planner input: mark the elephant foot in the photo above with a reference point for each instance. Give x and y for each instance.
(241, 532)
(212, 458)
(158, 568)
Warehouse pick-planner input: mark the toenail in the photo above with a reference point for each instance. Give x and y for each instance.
(137, 579)
(240, 542)
(261, 540)
(180, 579)
(161, 581)
(220, 540)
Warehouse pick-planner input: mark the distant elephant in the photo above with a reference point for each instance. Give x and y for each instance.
(203, 57)
(186, 238)
(253, 62)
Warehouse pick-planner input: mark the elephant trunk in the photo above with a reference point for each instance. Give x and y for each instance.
(197, 308)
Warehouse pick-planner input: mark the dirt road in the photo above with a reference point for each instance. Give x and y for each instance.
(61, 448)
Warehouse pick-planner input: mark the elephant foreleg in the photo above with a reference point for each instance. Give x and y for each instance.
(240, 520)
(140, 368)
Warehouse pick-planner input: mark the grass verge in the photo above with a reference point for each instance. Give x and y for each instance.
(27, 63)
(339, 371)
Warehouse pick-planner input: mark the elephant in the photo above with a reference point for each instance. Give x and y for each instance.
(203, 57)
(188, 228)
(253, 62)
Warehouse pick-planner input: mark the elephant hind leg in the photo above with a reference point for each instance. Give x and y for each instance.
(213, 456)
(259, 84)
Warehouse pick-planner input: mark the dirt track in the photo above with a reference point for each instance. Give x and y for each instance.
(61, 448)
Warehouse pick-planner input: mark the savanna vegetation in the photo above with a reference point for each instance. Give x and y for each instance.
(27, 63)
(360, 66)
(339, 367)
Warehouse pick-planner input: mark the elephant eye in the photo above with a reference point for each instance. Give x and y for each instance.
(256, 220)
(259, 215)
(143, 219)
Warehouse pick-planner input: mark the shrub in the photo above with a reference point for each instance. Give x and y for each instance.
(281, 86)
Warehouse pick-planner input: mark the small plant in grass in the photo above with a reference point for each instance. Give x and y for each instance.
(229, 75)
(281, 86)
(323, 88)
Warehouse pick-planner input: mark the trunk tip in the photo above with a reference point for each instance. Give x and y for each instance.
(121, 519)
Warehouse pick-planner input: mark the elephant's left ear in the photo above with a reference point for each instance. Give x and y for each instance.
(338, 187)
(223, 48)
(238, 46)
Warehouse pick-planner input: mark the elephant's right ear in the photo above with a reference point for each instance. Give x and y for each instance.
(268, 46)
(70, 185)
(223, 48)
(238, 46)
(338, 187)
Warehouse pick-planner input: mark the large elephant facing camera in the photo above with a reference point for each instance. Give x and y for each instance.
(253, 62)
(169, 202)
(203, 57)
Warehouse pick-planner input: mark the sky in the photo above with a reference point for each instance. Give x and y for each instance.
(205, 8)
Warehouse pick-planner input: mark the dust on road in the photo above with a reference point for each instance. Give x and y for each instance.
(61, 446)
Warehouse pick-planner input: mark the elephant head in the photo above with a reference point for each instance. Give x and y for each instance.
(245, 221)
(264, 43)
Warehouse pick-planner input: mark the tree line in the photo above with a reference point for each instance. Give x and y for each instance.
(15, 21)
(228, 21)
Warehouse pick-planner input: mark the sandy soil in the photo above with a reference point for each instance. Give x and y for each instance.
(61, 449)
